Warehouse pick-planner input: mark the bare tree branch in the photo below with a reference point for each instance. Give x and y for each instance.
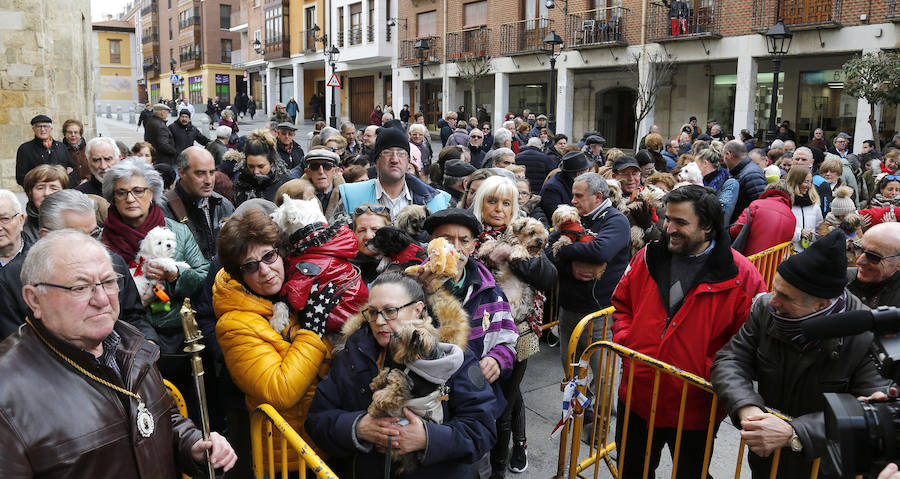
(472, 69)
(659, 74)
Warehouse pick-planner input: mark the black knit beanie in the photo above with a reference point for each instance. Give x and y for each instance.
(821, 269)
(389, 138)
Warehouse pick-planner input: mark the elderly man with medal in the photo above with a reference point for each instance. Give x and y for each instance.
(81, 395)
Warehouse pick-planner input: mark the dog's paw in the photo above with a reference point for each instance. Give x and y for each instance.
(518, 253)
(280, 316)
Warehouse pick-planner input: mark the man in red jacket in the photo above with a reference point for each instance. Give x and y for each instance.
(681, 299)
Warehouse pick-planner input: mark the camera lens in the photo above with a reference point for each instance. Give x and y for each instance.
(862, 437)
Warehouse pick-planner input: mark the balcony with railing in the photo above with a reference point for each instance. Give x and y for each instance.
(370, 33)
(151, 35)
(151, 66)
(602, 27)
(278, 46)
(149, 7)
(797, 14)
(354, 35)
(893, 11)
(188, 22)
(410, 56)
(524, 36)
(702, 20)
(309, 41)
(468, 43)
(237, 59)
(190, 60)
(239, 21)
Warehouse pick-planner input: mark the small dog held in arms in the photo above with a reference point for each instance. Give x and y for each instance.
(525, 238)
(157, 247)
(411, 219)
(567, 221)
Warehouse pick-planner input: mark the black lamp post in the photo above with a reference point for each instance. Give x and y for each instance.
(331, 54)
(778, 41)
(553, 40)
(257, 47)
(422, 47)
(172, 64)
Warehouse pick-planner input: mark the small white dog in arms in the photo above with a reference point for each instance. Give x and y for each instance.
(157, 247)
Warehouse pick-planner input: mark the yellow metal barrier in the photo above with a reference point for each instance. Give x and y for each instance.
(179, 403)
(602, 408)
(263, 418)
(767, 261)
(552, 309)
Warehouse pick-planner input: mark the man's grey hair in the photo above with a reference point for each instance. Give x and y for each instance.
(386, 118)
(803, 150)
(40, 262)
(501, 136)
(509, 125)
(534, 141)
(503, 151)
(715, 127)
(417, 127)
(11, 197)
(348, 125)
(451, 181)
(736, 148)
(223, 131)
(101, 140)
(758, 151)
(595, 183)
(476, 130)
(127, 168)
(50, 216)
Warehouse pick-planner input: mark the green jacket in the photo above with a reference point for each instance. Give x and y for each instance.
(189, 281)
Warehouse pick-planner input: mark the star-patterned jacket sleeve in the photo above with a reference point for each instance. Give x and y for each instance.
(322, 299)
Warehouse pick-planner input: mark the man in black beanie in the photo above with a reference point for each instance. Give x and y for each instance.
(184, 133)
(394, 187)
(792, 369)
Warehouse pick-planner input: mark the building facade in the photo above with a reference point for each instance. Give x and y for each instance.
(47, 68)
(117, 66)
(187, 48)
(722, 69)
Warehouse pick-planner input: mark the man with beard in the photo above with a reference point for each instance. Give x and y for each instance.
(184, 133)
(681, 299)
(101, 153)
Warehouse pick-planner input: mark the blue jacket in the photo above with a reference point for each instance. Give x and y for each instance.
(727, 189)
(537, 164)
(556, 191)
(467, 433)
(752, 181)
(611, 245)
(355, 194)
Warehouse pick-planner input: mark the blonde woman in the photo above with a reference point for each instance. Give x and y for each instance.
(806, 206)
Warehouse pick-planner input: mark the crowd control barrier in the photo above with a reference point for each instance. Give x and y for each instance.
(551, 309)
(179, 404)
(767, 261)
(262, 421)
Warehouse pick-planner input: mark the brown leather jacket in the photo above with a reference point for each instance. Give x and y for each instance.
(57, 423)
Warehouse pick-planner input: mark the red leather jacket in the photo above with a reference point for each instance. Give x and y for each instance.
(327, 263)
(771, 222)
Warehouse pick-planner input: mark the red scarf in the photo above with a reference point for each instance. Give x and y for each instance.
(124, 239)
(48, 143)
(885, 170)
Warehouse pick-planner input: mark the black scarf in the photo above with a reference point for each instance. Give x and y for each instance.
(791, 327)
(803, 200)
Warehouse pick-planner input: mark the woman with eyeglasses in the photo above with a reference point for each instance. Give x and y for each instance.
(134, 189)
(278, 367)
(261, 172)
(806, 207)
(417, 136)
(458, 431)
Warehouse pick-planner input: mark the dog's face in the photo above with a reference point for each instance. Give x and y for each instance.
(615, 190)
(295, 214)
(412, 341)
(531, 234)
(690, 173)
(563, 214)
(412, 218)
(159, 243)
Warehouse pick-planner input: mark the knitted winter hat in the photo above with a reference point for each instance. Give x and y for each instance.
(389, 138)
(821, 269)
(842, 204)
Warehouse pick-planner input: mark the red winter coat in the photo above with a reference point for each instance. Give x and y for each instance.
(771, 222)
(712, 312)
(328, 263)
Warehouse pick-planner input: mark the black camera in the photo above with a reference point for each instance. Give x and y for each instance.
(863, 437)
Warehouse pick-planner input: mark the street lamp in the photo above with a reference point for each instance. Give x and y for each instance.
(172, 64)
(422, 47)
(331, 54)
(778, 40)
(257, 47)
(553, 40)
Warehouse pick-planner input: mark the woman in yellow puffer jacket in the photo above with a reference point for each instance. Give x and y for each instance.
(279, 367)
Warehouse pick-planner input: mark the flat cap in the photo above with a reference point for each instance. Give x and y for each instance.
(286, 125)
(458, 168)
(41, 119)
(161, 107)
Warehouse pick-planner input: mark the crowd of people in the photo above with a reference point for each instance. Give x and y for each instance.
(309, 314)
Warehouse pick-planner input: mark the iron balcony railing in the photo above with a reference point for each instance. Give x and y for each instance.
(703, 20)
(354, 35)
(468, 43)
(309, 40)
(149, 38)
(370, 33)
(188, 22)
(188, 60)
(148, 8)
(796, 14)
(597, 28)
(524, 36)
(410, 56)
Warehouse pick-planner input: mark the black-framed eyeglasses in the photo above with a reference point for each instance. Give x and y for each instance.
(324, 165)
(86, 290)
(377, 209)
(268, 257)
(871, 256)
(138, 193)
(389, 314)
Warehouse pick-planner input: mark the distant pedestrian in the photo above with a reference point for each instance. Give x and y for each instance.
(292, 109)
(145, 115)
(159, 135)
(314, 104)
(251, 106)
(375, 116)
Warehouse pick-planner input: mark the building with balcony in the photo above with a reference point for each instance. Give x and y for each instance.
(117, 68)
(722, 70)
(190, 42)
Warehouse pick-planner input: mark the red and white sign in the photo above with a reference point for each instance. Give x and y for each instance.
(335, 80)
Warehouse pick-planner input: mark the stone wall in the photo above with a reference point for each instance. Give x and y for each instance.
(46, 66)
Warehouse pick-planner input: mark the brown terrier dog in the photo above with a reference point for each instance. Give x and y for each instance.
(567, 221)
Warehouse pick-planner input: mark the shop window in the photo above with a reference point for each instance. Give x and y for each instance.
(195, 90)
(223, 87)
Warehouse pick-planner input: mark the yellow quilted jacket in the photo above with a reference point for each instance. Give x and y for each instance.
(263, 364)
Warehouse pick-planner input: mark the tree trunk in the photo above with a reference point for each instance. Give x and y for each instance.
(872, 125)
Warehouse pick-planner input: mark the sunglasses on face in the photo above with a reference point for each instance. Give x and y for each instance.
(371, 208)
(871, 256)
(324, 166)
(253, 266)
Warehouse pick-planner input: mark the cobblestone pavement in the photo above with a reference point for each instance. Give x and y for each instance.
(541, 383)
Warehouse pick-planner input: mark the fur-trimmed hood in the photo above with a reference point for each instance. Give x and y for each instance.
(452, 321)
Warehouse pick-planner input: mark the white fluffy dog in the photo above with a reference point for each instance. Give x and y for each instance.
(157, 247)
(295, 214)
(690, 173)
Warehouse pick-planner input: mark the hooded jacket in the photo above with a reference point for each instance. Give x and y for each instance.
(268, 366)
(752, 181)
(711, 313)
(771, 222)
(248, 185)
(468, 428)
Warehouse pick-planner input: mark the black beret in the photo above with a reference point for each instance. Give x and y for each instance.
(458, 168)
(453, 216)
(41, 119)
